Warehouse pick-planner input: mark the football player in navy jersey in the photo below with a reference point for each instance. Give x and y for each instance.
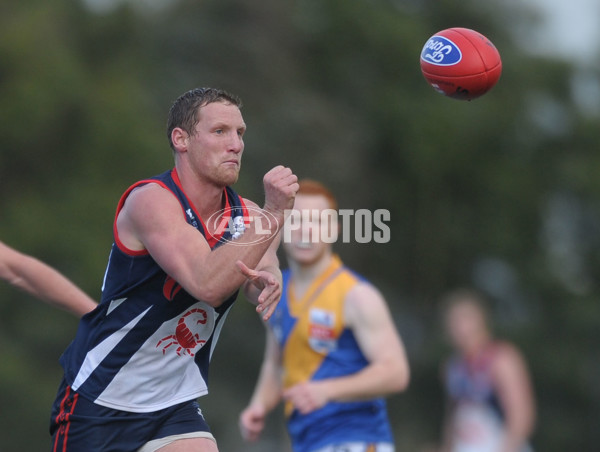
(184, 244)
(491, 406)
(42, 281)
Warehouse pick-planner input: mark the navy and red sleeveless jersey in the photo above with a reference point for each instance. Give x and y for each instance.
(148, 344)
(478, 421)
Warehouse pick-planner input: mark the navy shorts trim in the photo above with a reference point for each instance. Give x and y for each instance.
(78, 425)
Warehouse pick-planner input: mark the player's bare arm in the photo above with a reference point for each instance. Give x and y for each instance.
(42, 281)
(516, 396)
(388, 371)
(267, 393)
(152, 219)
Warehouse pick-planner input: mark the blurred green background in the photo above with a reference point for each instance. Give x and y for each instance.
(501, 193)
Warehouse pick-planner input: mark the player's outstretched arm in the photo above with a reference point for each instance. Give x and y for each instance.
(387, 372)
(267, 392)
(42, 281)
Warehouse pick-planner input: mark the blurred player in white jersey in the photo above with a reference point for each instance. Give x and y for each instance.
(491, 406)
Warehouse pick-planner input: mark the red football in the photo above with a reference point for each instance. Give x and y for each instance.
(460, 63)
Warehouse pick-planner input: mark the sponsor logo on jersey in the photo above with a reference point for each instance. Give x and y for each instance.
(321, 330)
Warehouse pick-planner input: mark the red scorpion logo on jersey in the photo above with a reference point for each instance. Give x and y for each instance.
(184, 337)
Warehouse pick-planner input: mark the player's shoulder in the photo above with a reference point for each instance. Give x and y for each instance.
(503, 348)
(506, 355)
(364, 289)
(148, 194)
(352, 273)
(360, 286)
(147, 205)
(364, 300)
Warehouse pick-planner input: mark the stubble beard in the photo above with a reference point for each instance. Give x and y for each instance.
(226, 177)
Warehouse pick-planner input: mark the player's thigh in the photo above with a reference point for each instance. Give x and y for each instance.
(191, 445)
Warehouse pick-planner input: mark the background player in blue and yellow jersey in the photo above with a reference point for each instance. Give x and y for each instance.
(42, 281)
(332, 352)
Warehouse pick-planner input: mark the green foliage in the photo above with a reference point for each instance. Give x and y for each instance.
(333, 89)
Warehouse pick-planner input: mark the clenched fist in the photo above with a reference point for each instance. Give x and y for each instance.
(281, 185)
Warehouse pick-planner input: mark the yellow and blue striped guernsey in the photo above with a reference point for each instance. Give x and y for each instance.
(316, 345)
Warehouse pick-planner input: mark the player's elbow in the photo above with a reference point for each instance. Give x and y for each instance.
(399, 376)
(403, 381)
(210, 294)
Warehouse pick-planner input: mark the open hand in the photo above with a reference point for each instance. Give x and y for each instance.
(269, 286)
(252, 422)
(306, 397)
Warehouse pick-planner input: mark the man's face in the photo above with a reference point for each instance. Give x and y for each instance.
(216, 145)
(465, 325)
(312, 226)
